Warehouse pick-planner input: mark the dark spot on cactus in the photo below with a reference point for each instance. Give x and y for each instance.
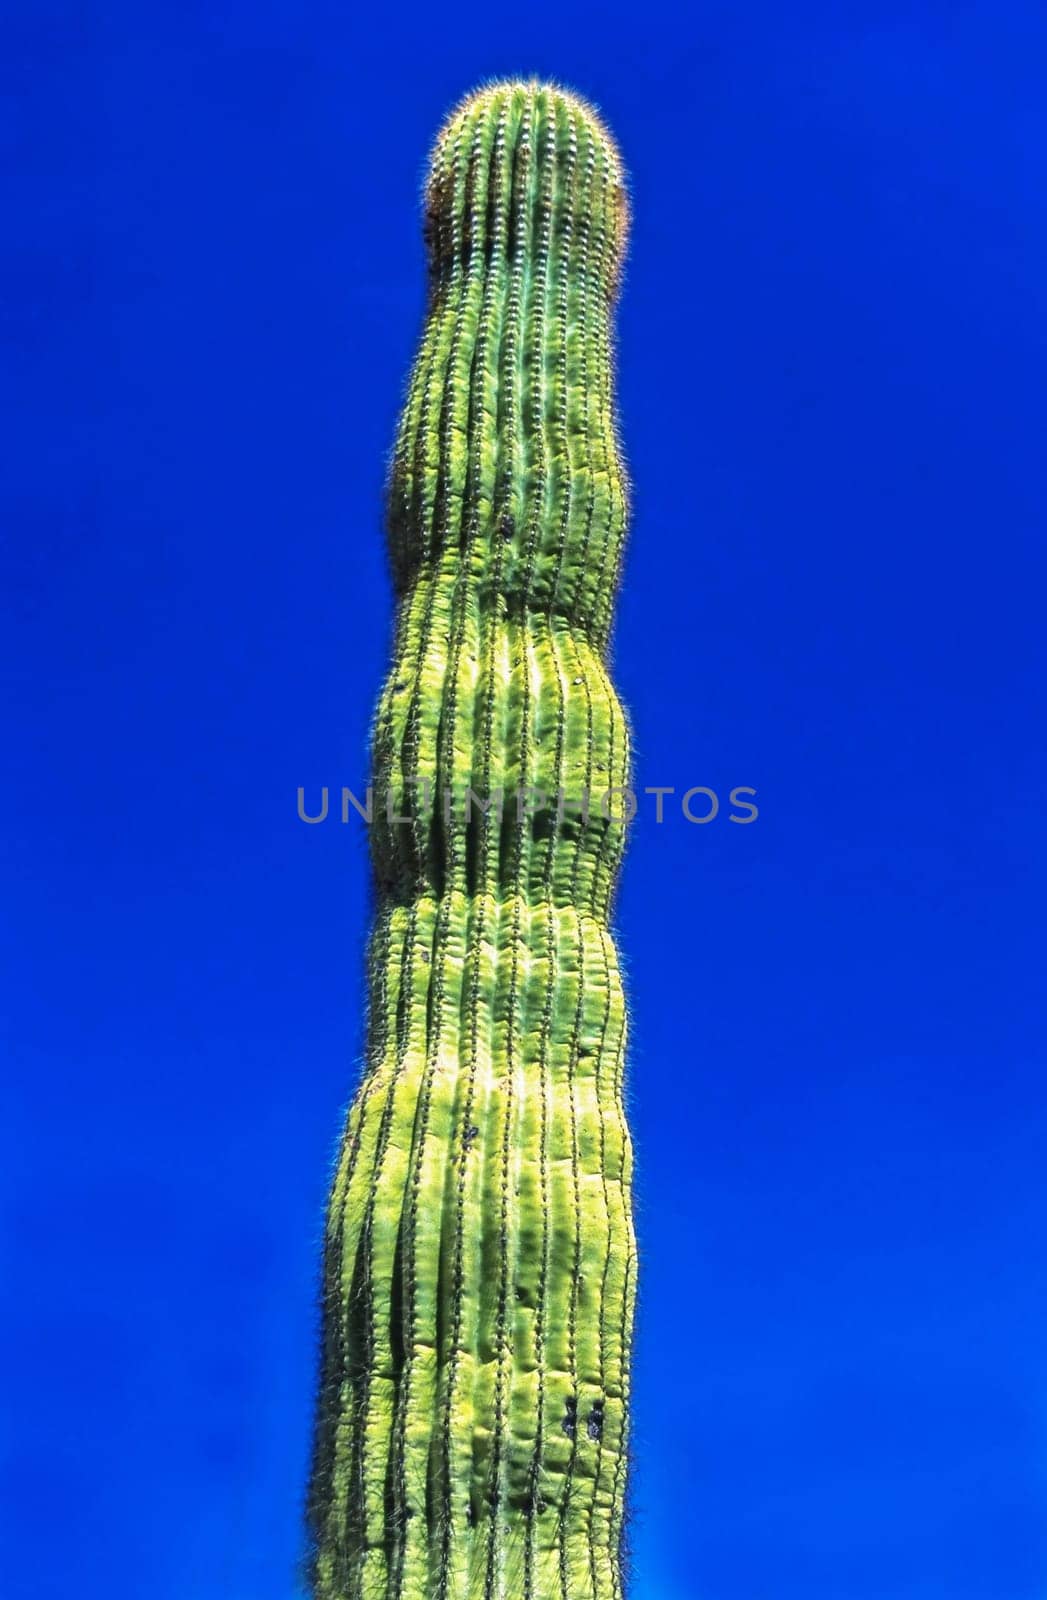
(594, 1424)
(507, 527)
(426, 957)
(543, 824)
(469, 1135)
(570, 1416)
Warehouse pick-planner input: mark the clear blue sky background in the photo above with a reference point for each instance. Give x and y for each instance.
(831, 353)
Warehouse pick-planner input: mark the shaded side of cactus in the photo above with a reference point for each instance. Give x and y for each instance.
(479, 1271)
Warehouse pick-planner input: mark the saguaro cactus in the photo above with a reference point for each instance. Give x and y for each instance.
(479, 1270)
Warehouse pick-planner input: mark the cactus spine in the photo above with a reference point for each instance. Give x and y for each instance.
(479, 1271)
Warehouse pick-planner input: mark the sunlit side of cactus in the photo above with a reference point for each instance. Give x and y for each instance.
(479, 1272)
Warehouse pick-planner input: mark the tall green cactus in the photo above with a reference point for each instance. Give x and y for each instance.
(479, 1273)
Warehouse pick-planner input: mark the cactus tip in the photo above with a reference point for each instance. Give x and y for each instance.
(542, 95)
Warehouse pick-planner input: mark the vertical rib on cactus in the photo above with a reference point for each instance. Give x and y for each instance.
(479, 1262)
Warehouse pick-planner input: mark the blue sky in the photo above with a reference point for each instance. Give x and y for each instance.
(831, 354)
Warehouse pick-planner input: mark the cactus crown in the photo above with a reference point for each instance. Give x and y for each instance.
(556, 123)
(526, 222)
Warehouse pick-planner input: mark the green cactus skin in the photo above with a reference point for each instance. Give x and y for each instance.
(479, 1269)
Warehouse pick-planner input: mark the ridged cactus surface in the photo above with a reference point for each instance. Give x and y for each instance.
(479, 1271)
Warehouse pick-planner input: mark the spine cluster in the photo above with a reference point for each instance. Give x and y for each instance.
(479, 1271)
